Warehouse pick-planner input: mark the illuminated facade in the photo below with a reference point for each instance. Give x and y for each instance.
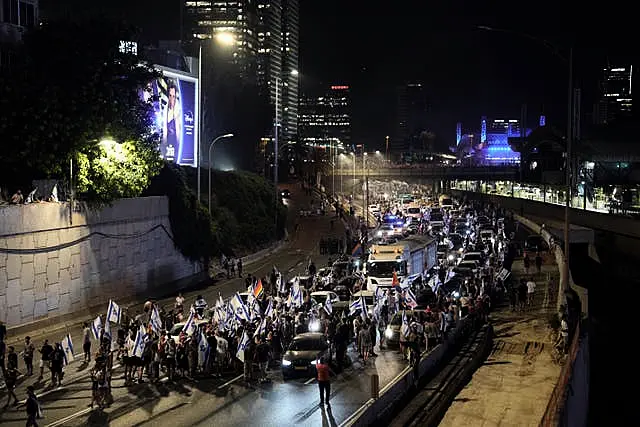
(232, 23)
(326, 120)
(615, 94)
(491, 144)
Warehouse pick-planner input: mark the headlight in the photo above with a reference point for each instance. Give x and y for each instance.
(451, 257)
(461, 250)
(314, 362)
(286, 362)
(314, 326)
(430, 227)
(456, 294)
(388, 333)
(379, 233)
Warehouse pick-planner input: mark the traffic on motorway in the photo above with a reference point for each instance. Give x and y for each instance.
(401, 286)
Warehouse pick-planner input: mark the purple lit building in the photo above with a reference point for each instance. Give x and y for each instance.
(490, 144)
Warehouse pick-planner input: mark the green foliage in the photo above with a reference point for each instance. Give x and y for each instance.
(71, 89)
(194, 233)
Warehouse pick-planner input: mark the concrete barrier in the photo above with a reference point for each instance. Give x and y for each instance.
(376, 410)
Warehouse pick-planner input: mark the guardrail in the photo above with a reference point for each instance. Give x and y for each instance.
(375, 410)
(555, 407)
(440, 172)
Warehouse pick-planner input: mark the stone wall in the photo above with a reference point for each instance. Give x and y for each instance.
(52, 264)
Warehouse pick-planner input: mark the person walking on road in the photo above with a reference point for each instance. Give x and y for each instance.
(45, 354)
(324, 383)
(32, 407)
(10, 379)
(86, 342)
(27, 355)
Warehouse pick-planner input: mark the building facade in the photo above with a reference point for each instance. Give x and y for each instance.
(325, 119)
(412, 113)
(615, 95)
(16, 17)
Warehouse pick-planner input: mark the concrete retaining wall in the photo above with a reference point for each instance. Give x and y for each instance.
(52, 265)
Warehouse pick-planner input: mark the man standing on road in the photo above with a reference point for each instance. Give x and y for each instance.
(86, 342)
(33, 407)
(531, 289)
(27, 355)
(324, 383)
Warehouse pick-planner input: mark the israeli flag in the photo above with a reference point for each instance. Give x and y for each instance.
(220, 302)
(280, 284)
(327, 306)
(405, 325)
(67, 348)
(410, 299)
(380, 294)
(355, 306)
(244, 342)
(156, 321)
(138, 345)
(96, 328)
(113, 312)
(239, 309)
(363, 304)
(261, 329)
(190, 325)
(269, 312)
(203, 350)
(107, 330)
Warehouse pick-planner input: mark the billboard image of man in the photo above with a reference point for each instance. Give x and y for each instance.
(172, 125)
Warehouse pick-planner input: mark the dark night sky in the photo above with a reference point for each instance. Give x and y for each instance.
(375, 45)
(467, 72)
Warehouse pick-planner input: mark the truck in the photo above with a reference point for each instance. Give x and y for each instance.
(409, 258)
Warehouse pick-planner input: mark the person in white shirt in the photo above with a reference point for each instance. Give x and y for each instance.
(531, 289)
(222, 348)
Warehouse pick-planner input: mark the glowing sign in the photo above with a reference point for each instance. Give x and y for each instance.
(483, 130)
(339, 87)
(543, 120)
(458, 133)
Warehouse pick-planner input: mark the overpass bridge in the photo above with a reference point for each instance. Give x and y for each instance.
(497, 173)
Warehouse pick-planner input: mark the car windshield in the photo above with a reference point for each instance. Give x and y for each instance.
(385, 269)
(320, 299)
(307, 344)
(413, 210)
(446, 202)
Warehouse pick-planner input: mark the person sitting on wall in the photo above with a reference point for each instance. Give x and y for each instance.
(17, 198)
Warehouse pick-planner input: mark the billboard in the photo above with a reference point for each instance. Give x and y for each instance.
(176, 116)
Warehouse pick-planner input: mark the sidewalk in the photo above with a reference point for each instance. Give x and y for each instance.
(514, 384)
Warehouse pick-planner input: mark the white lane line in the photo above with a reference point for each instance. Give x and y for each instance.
(310, 380)
(66, 419)
(230, 382)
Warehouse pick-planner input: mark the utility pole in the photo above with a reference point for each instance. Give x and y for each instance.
(275, 150)
(568, 178)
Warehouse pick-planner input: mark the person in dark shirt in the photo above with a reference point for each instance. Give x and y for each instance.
(45, 353)
(32, 407)
(261, 356)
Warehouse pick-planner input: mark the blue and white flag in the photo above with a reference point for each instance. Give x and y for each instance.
(203, 349)
(220, 301)
(155, 320)
(113, 312)
(328, 307)
(244, 342)
(296, 294)
(239, 308)
(280, 284)
(269, 312)
(364, 313)
(138, 345)
(404, 329)
(67, 348)
(261, 329)
(355, 305)
(410, 299)
(380, 294)
(107, 330)
(190, 325)
(96, 328)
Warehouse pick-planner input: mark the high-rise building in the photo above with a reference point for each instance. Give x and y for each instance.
(262, 37)
(615, 94)
(232, 24)
(412, 113)
(16, 17)
(325, 119)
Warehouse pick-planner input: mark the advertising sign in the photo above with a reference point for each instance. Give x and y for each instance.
(175, 116)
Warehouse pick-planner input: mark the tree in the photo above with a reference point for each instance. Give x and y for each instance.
(71, 90)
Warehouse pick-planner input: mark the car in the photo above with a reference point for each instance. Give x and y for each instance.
(285, 194)
(174, 333)
(322, 296)
(369, 300)
(392, 333)
(385, 230)
(303, 354)
(535, 243)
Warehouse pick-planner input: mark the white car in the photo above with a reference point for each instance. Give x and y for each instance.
(374, 209)
(386, 230)
(177, 328)
(321, 296)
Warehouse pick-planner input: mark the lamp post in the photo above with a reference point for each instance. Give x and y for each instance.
(386, 153)
(569, 150)
(227, 135)
(224, 39)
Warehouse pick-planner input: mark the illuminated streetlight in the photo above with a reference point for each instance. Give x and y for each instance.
(225, 38)
(226, 135)
(294, 72)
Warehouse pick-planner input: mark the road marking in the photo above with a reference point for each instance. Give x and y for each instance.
(310, 380)
(43, 394)
(70, 417)
(230, 381)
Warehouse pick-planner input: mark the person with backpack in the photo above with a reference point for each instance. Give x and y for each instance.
(32, 407)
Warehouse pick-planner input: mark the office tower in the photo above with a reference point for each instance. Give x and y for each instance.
(411, 117)
(16, 16)
(325, 119)
(615, 95)
(226, 27)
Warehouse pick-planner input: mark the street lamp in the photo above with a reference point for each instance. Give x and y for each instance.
(224, 39)
(226, 135)
(570, 131)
